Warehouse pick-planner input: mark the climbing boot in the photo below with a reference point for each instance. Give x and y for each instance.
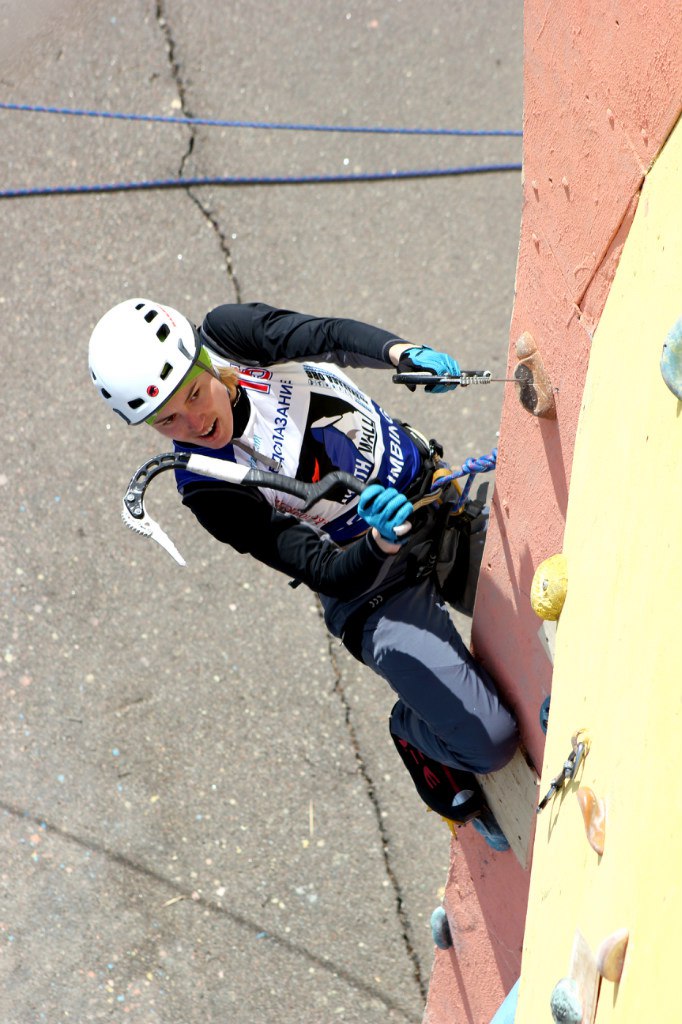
(452, 793)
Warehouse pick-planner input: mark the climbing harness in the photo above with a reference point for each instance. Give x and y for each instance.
(580, 747)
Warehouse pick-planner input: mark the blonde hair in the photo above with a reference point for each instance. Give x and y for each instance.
(228, 376)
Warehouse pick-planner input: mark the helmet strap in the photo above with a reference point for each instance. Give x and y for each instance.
(201, 365)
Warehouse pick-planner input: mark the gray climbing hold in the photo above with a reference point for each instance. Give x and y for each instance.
(565, 1002)
(671, 360)
(440, 929)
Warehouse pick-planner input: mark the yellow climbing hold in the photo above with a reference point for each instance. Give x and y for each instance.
(548, 589)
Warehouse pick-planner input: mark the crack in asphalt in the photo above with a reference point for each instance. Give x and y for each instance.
(197, 899)
(339, 690)
(207, 214)
(373, 796)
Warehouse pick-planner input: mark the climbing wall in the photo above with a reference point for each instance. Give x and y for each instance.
(603, 89)
(617, 658)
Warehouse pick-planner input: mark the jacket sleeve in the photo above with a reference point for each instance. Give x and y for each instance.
(255, 334)
(241, 517)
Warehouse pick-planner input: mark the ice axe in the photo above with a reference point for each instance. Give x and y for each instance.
(138, 519)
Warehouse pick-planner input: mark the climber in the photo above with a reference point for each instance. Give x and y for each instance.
(266, 388)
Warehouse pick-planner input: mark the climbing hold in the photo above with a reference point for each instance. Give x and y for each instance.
(594, 815)
(574, 999)
(611, 955)
(548, 589)
(544, 714)
(671, 359)
(440, 929)
(535, 393)
(565, 1002)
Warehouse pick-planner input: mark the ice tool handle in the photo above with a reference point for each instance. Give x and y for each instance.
(135, 516)
(463, 379)
(230, 472)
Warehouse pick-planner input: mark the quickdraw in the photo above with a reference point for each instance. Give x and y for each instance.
(580, 748)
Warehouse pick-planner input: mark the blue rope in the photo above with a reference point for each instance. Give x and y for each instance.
(312, 179)
(471, 466)
(271, 125)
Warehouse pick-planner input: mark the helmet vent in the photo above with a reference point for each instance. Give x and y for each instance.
(163, 332)
(140, 305)
(105, 393)
(150, 315)
(166, 370)
(136, 403)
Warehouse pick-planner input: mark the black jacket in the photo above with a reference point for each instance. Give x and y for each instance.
(257, 335)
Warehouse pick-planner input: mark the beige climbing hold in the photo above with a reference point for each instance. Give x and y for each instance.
(535, 393)
(548, 589)
(611, 955)
(594, 815)
(585, 973)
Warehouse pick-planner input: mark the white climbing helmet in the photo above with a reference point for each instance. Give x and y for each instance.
(140, 354)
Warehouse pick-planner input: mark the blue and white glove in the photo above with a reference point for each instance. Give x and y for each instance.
(423, 359)
(385, 509)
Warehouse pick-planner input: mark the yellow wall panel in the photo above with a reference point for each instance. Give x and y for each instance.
(619, 646)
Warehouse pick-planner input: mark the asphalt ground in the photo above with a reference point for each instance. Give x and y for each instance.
(202, 816)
